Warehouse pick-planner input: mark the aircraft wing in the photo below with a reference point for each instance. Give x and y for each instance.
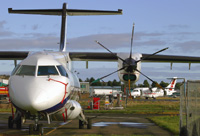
(13, 55)
(92, 56)
(171, 59)
(100, 56)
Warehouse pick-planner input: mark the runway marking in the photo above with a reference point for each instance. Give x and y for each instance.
(58, 127)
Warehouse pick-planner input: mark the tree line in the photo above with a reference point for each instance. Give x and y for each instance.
(118, 83)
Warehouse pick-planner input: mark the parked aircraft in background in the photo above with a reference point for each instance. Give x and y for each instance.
(154, 92)
(44, 84)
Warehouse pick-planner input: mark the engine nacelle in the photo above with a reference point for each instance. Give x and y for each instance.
(123, 75)
(72, 109)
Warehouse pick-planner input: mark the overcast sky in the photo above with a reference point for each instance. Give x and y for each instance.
(158, 24)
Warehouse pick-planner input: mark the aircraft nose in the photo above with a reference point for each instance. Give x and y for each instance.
(27, 93)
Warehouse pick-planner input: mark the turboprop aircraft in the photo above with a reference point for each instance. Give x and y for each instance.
(43, 84)
(155, 91)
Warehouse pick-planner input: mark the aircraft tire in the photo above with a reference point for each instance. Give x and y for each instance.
(89, 125)
(147, 98)
(19, 123)
(10, 122)
(31, 129)
(81, 124)
(40, 129)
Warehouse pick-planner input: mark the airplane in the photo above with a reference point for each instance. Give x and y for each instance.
(155, 91)
(44, 84)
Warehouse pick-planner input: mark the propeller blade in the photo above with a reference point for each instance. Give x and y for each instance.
(110, 51)
(132, 41)
(107, 75)
(159, 86)
(153, 54)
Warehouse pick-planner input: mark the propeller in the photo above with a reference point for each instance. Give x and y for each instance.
(106, 76)
(152, 54)
(130, 64)
(132, 40)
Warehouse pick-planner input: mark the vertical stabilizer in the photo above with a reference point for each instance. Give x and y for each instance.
(65, 12)
(170, 88)
(63, 39)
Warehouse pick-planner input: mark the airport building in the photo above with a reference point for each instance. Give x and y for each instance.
(85, 87)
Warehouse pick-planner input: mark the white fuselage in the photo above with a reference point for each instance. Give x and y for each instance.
(38, 84)
(147, 92)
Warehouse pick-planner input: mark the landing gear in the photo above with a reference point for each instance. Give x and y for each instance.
(81, 124)
(10, 122)
(17, 120)
(36, 128)
(83, 121)
(88, 123)
(33, 129)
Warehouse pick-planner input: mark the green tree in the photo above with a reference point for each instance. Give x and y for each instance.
(163, 84)
(109, 83)
(80, 80)
(153, 84)
(87, 80)
(178, 85)
(145, 83)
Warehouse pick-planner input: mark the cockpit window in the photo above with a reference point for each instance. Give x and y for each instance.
(26, 70)
(15, 69)
(62, 70)
(47, 70)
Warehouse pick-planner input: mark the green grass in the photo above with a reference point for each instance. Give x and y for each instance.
(142, 107)
(170, 123)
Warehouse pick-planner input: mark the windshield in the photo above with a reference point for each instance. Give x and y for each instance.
(47, 70)
(62, 70)
(26, 70)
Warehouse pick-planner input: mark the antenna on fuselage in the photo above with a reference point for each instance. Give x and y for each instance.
(65, 12)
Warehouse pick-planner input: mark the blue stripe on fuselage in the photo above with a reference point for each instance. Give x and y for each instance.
(56, 107)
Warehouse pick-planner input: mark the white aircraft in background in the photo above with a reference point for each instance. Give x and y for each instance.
(44, 85)
(154, 92)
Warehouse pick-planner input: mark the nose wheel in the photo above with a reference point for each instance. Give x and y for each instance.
(17, 121)
(88, 123)
(36, 129)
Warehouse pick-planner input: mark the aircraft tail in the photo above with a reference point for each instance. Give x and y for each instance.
(65, 12)
(172, 85)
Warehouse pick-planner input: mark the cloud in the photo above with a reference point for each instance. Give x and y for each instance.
(35, 27)
(189, 46)
(115, 41)
(28, 44)
(177, 26)
(3, 32)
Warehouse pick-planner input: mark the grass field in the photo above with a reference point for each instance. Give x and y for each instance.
(170, 123)
(163, 113)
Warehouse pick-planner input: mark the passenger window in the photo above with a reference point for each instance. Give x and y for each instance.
(62, 70)
(47, 70)
(26, 70)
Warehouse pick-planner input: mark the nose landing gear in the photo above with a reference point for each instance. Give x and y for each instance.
(83, 121)
(36, 128)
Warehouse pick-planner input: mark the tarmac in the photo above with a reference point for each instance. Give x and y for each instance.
(102, 124)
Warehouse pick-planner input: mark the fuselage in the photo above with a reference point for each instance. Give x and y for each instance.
(43, 82)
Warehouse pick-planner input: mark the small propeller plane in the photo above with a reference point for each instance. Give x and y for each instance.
(44, 84)
(155, 91)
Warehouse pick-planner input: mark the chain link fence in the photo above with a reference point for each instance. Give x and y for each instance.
(190, 108)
